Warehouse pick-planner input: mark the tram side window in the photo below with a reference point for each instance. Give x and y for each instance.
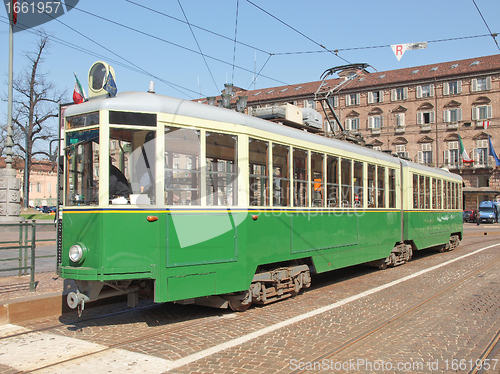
(381, 187)
(434, 193)
(281, 175)
(448, 195)
(300, 177)
(82, 165)
(317, 179)
(455, 195)
(415, 191)
(222, 169)
(421, 192)
(345, 180)
(372, 180)
(332, 177)
(182, 166)
(439, 194)
(259, 172)
(392, 188)
(427, 193)
(358, 184)
(460, 196)
(132, 153)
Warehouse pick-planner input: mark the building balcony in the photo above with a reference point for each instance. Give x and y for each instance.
(426, 127)
(400, 129)
(452, 125)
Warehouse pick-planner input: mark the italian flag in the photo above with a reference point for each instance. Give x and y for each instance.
(78, 94)
(463, 152)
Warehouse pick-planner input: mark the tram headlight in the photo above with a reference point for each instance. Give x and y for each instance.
(77, 253)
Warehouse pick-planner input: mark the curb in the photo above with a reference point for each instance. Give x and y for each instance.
(24, 309)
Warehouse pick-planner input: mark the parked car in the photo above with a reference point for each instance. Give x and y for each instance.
(488, 212)
(470, 215)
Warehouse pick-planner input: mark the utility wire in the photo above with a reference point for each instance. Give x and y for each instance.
(171, 43)
(297, 31)
(492, 34)
(197, 27)
(199, 47)
(256, 75)
(235, 34)
(116, 54)
(378, 46)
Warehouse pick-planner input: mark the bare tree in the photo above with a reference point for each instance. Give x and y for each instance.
(35, 104)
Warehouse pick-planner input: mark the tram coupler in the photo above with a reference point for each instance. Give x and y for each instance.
(77, 300)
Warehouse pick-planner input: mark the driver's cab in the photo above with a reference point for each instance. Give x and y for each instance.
(126, 141)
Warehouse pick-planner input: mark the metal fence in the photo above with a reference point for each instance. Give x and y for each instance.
(23, 248)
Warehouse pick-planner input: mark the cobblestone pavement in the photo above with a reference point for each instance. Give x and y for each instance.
(356, 320)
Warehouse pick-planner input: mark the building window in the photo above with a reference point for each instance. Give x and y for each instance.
(425, 118)
(400, 119)
(375, 122)
(481, 84)
(426, 90)
(352, 99)
(334, 101)
(452, 88)
(309, 104)
(451, 155)
(452, 115)
(49, 187)
(398, 94)
(480, 154)
(482, 112)
(425, 155)
(375, 97)
(38, 187)
(352, 124)
(401, 150)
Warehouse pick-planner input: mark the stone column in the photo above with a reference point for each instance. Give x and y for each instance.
(10, 196)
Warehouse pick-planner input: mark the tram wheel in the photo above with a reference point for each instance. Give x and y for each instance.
(383, 265)
(241, 304)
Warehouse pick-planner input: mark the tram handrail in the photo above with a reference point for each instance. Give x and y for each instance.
(26, 247)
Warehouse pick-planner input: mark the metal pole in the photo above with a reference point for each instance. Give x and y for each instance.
(33, 243)
(9, 143)
(26, 171)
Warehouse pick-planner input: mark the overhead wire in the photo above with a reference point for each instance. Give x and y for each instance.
(492, 34)
(376, 46)
(197, 27)
(198, 44)
(297, 31)
(235, 37)
(116, 54)
(172, 43)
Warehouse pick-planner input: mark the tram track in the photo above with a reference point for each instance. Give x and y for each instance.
(369, 332)
(197, 322)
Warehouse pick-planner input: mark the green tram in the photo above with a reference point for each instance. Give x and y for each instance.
(225, 209)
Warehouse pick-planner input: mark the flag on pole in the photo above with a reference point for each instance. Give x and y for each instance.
(78, 94)
(463, 152)
(486, 124)
(110, 85)
(493, 153)
(15, 9)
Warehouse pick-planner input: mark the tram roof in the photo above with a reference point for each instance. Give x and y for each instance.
(155, 103)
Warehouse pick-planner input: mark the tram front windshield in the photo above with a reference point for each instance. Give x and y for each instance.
(82, 166)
